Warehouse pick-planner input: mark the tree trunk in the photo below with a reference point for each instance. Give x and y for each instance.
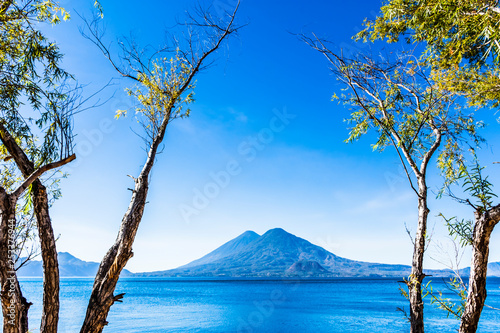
(102, 297)
(477, 281)
(417, 275)
(14, 305)
(50, 309)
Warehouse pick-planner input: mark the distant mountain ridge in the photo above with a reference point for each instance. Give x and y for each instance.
(69, 266)
(278, 253)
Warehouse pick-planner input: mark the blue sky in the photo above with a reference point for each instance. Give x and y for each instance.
(266, 87)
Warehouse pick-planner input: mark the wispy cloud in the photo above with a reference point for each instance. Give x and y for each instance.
(238, 115)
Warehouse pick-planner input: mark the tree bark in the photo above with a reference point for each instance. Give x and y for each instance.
(14, 305)
(102, 297)
(417, 275)
(50, 308)
(476, 296)
(417, 267)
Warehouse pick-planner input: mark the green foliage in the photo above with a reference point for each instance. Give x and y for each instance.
(389, 101)
(31, 78)
(455, 285)
(454, 30)
(479, 85)
(481, 195)
(159, 92)
(35, 99)
(404, 293)
(461, 229)
(398, 100)
(478, 186)
(473, 182)
(461, 37)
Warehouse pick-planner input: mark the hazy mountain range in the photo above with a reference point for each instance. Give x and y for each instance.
(69, 266)
(276, 253)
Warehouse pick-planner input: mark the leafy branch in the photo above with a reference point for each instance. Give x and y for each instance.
(457, 286)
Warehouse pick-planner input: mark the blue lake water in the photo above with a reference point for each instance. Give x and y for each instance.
(251, 306)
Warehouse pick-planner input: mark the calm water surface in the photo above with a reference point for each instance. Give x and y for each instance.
(247, 306)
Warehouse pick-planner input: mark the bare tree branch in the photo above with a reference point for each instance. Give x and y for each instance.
(28, 181)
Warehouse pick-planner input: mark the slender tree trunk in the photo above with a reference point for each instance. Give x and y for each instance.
(102, 297)
(50, 309)
(417, 275)
(14, 305)
(477, 281)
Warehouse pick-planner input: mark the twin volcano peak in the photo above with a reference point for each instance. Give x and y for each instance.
(277, 253)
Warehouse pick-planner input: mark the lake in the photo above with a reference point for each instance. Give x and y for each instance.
(253, 305)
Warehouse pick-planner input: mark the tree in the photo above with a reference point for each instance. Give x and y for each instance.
(462, 41)
(477, 234)
(14, 306)
(164, 83)
(31, 78)
(398, 100)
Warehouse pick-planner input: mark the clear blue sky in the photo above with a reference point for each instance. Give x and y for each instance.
(301, 176)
